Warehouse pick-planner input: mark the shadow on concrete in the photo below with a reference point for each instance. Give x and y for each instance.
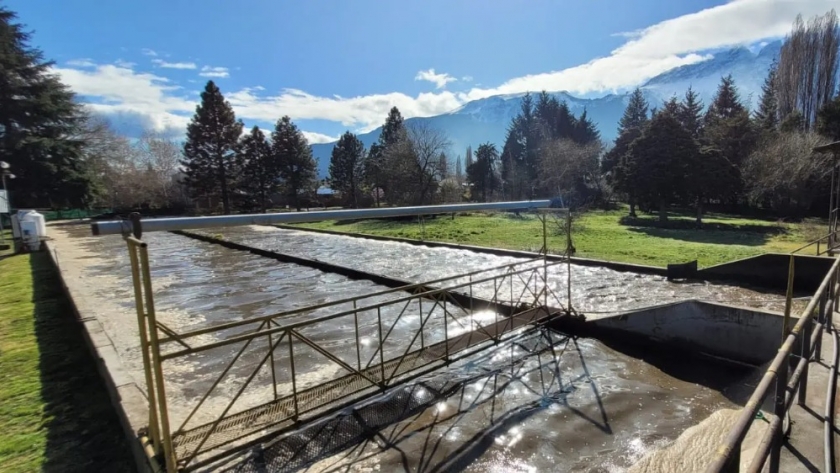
(83, 431)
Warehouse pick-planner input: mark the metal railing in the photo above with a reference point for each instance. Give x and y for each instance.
(787, 386)
(268, 372)
(830, 240)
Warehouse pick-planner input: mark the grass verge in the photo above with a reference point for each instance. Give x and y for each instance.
(55, 414)
(607, 235)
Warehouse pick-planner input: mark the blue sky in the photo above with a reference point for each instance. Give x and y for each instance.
(334, 65)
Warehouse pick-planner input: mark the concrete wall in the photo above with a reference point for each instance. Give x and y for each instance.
(128, 399)
(771, 270)
(730, 332)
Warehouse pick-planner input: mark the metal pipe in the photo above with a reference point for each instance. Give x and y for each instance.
(763, 449)
(828, 447)
(118, 227)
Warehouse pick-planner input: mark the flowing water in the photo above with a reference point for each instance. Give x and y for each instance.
(589, 408)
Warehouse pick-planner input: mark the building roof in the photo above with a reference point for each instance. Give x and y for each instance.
(831, 147)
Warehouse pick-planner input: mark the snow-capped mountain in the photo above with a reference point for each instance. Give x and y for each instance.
(486, 120)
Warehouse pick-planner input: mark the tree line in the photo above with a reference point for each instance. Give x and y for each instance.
(680, 152)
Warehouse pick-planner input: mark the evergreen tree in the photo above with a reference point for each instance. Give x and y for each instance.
(374, 171)
(482, 172)
(443, 166)
(622, 170)
(294, 158)
(672, 107)
(213, 133)
(469, 157)
(828, 119)
(767, 115)
(665, 153)
(260, 173)
(585, 131)
(393, 130)
(690, 114)
(346, 167)
(726, 104)
(40, 125)
(728, 131)
(459, 170)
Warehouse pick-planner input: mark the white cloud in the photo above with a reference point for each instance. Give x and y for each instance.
(121, 90)
(126, 64)
(440, 80)
(467, 79)
(174, 65)
(209, 71)
(81, 63)
(315, 137)
(148, 52)
(646, 53)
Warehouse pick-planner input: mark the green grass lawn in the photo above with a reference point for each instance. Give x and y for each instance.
(607, 235)
(55, 414)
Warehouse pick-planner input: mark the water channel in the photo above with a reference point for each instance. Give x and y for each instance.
(590, 408)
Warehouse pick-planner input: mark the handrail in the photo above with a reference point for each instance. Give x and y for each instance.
(817, 241)
(729, 451)
(344, 313)
(347, 300)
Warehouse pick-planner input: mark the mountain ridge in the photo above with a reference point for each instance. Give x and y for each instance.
(487, 119)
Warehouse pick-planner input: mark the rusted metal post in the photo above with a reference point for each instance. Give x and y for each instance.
(781, 376)
(154, 429)
(422, 340)
(294, 381)
(273, 368)
(806, 354)
(569, 260)
(381, 345)
(166, 435)
(358, 348)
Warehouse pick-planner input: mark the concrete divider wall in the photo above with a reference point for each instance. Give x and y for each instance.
(734, 333)
(127, 398)
(771, 270)
(768, 270)
(626, 267)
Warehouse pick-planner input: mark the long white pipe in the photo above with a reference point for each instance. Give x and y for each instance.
(115, 227)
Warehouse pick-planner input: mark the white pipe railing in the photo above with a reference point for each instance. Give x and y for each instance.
(125, 227)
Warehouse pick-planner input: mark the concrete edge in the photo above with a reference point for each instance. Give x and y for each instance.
(127, 398)
(624, 267)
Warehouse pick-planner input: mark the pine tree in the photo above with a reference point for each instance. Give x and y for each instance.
(40, 125)
(459, 170)
(672, 107)
(294, 158)
(690, 113)
(374, 171)
(664, 153)
(469, 157)
(767, 116)
(828, 119)
(726, 104)
(621, 170)
(443, 166)
(260, 173)
(393, 130)
(482, 172)
(346, 167)
(209, 162)
(729, 131)
(585, 131)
